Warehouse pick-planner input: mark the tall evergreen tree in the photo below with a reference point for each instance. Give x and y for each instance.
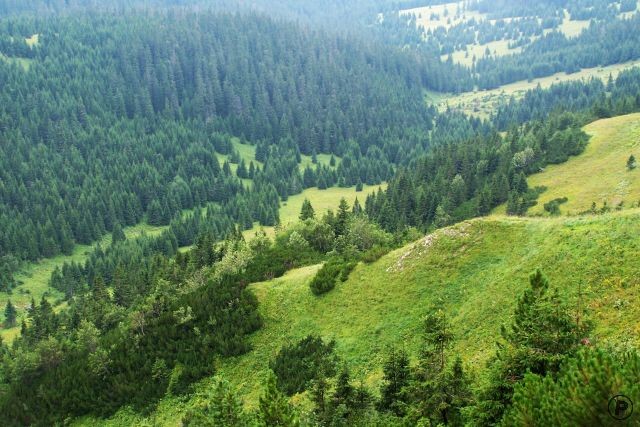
(274, 407)
(307, 211)
(342, 218)
(10, 315)
(396, 377)
(543, 334)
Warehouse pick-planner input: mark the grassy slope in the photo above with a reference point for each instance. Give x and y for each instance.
(600, 173)
(475, 271)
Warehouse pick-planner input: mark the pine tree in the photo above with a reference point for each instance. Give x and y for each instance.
(342, 218)
(631, 162)
(543, 334)
(122, 294)
(432, 388)
(307, 211)
(274, 408)
(10, 315)
(395, 379)
(99, 290)
(218, 407)
(441, 218)
(357, 208)
(155, 213)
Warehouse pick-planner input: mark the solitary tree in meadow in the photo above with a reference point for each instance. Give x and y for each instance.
(307, 211)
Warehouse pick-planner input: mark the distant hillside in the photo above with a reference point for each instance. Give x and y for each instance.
(598, 175)
(474, 270)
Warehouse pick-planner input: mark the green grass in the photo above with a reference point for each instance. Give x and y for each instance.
(573, 28)
(600, 173)
(423, 15)
(475, 271)
(323, 159)
(25, 63)
(247, 153)
(33, 40)
(321, 200)
(497, 48)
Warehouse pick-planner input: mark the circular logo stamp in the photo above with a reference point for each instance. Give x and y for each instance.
(620, 407)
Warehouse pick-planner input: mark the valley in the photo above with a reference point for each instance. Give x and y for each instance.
(285, 213)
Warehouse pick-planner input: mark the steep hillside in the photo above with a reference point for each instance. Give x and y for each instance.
(600, 174)
(474, 270)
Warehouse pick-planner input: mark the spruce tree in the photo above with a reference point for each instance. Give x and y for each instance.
(274, 407)
(217, 407)
(631, 162)
(342, 218)
(10, 315)
(543, 334)
(307, 211)
(396, 372)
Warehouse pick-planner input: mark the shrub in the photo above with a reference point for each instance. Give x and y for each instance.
(297, 365)
(326, 278)
(374, 254)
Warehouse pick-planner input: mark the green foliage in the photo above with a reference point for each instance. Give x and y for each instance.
(333, 270)
(310, 359)
(631, 163)
(117, 235)
(553, 207)
(275, 410)
(393, 395)
(345, 405)
(543, 334)
(10, 315)
(307, 211)
(436, 393)
(490, 171)
(585, 383)
(217, 406)
(164, 343)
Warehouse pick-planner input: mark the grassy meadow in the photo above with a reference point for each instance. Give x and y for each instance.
(321, 200)
(600, 173)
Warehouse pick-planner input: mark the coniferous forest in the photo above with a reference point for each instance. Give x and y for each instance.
(140, 114)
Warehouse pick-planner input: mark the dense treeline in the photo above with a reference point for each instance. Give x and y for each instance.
(609, 39)
(98, 355)
(457, 180)
(604, 43)
(616, 97)
(96, 134)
